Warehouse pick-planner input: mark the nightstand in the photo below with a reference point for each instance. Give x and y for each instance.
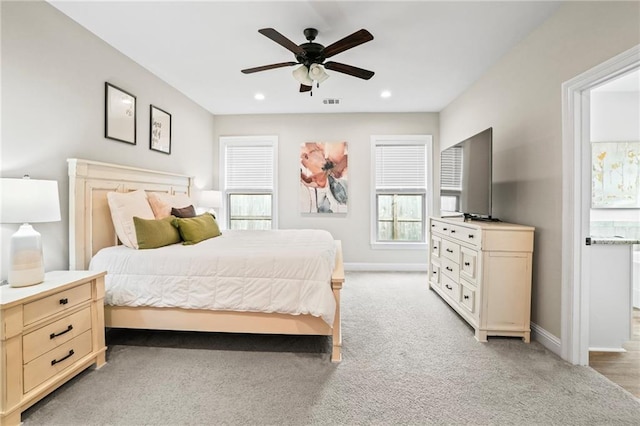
(49, 333)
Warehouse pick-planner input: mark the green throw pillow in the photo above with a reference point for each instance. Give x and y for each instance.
(154, 233)
(196, 229)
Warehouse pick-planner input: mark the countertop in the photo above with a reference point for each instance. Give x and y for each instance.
(613, 241)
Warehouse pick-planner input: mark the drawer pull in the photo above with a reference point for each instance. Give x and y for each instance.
(449, 250)
(448, 286)
(433, 225)
(54, 335)
(448, 269)
(434, 272)
(55, 361)
(466, 297)
(453, 231)
(435, 247)
(471, 236)
(444, 229)
(467, 264)
(64, 301)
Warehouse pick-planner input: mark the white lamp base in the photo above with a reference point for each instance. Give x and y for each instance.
(26, 266)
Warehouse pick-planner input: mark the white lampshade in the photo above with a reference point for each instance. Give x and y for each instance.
(317, 73)
(23, 201)
(210, 198)
(302, 75)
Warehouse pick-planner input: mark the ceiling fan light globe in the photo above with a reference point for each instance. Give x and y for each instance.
(317, 73)
(302, 75)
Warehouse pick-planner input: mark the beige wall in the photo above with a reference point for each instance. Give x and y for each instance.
(53, 75)
(520, 97)
(356, 129)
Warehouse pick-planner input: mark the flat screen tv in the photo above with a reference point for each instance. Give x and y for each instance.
(466, 177)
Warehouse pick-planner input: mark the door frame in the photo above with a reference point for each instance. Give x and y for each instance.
(576, 201)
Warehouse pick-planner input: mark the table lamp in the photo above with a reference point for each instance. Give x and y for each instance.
(27, 201)
(210, 200)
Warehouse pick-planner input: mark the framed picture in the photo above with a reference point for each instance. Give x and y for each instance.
(119, 114)
(160, 134)
(323, 177)
(615, 174)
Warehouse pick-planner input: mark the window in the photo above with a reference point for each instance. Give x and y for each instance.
(248, 180)
(400, 203)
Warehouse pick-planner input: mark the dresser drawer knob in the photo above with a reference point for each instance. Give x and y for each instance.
(467, 264)
(448, 286)
(466, 297)
(435, 247)
(448, 269)
(471, 236)
(453, 231)
(55, 361)
(54, 335)
(434, 272)
(64, 301)
(444, 229)
(449, 251)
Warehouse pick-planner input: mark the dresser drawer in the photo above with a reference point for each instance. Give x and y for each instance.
(450, 269)
(450, 250)
(53, 335)
(451, 288)
(439, 227)
(466, 235)
(468, 298)
(436, 244)
(56, 360)
(56, 303)
(434, 277)
(469, 264)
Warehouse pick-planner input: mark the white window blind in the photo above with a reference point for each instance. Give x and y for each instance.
(400, 166)
(249, 167)
(451, 169)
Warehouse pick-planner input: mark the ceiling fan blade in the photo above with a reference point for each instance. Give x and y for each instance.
(348, 42)
(305, 88)
(282, 40)
(348, 69)
(268, 67)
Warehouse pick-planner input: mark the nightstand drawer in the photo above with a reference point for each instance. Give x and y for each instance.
(49, 337)
(55, 303)
(56, 360)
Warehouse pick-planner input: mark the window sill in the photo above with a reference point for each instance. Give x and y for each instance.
(399, 246)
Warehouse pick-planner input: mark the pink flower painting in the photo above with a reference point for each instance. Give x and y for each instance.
(323, 177)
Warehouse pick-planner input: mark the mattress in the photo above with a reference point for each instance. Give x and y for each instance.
(284, 271)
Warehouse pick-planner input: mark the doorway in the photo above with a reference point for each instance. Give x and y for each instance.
(576, 195)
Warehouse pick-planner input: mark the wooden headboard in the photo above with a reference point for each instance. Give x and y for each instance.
(90, 225)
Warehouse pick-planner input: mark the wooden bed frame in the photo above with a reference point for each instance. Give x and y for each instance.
(91, 229)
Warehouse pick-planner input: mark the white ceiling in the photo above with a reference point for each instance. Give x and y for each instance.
(425, 53)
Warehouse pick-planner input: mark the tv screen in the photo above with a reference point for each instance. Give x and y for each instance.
(466, 178)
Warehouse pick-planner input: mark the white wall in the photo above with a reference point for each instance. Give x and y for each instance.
(292, 130)
(53, 75)
(520, 97)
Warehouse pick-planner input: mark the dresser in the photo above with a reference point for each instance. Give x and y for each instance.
(483, 271)
(49, 332)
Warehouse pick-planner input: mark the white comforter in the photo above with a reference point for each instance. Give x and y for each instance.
(285, 271)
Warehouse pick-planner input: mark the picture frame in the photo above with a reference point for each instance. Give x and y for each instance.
(120, 114)
(159, 130)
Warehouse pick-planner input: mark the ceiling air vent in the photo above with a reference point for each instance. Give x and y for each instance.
(329, 101)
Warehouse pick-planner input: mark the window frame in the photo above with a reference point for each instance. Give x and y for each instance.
(266, 140)
(427, 142)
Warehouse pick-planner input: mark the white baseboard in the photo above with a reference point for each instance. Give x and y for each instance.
(386, 267)
(546, 339)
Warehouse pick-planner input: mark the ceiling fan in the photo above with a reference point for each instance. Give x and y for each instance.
(312, 57)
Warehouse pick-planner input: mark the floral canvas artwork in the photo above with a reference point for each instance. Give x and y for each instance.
(615, 173)
(323, 177)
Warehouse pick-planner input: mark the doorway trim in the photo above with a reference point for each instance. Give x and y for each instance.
(576, 196)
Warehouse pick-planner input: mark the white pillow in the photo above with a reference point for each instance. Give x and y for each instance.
(161, 203)
(124, 206)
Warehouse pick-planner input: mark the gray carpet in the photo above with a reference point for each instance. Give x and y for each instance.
(408, 359)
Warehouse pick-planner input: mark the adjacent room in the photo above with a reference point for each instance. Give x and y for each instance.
(319, 212)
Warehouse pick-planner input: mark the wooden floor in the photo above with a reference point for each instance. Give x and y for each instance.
(622, 368)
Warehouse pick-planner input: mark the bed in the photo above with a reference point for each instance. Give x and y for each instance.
(91, 230)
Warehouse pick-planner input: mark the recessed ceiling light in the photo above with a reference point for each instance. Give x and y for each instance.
(385, 94)
(259, 97)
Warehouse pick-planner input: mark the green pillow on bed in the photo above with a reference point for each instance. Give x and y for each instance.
(196, 229)
(154, 233)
